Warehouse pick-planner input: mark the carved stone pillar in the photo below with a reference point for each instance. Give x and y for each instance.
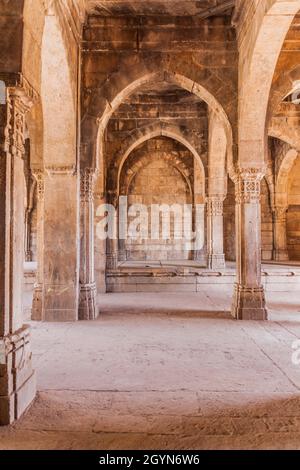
(121, 226)
(100, 246)
(87, 293)
(17, 378)
(57, 289)
(30, 188)
(249, 297)
(37, 303)
(27, 241)
(280, 252)
(112, 244)
(215, 235)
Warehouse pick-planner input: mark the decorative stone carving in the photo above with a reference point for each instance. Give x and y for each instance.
(17, 378)
(16, 111)
(248, 182)
(215, 205)
(216, 257)
(112, 258)
(87, 185)
(37, 302)
(17, 384)
(60, 170)
(87, 294)
(249, 303)
(87, 301)
(280, 214)
(39, 176)
(249, 299)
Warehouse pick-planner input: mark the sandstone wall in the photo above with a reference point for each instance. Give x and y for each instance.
(160, 180)
(293, 215)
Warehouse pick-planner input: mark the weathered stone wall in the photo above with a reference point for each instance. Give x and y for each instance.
(160, 179)
(149, 108)
(156, 110)
(121, 54)
(293, 215)
(287, 70)
(11, 42)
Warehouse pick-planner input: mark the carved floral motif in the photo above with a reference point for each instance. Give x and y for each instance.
(215, 205)
(248, 182)
(87, 184)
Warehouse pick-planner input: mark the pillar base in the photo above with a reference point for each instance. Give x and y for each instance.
(88, 302)
(112, 260)
(249, 303)
(17, 378)
(28, 256)
(37, 303)
(280, 255)
(216, 261)
(200, 257)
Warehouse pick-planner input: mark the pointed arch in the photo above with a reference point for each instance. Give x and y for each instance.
(261, 44)
(282, 180)
(125, 82)
(141, 135)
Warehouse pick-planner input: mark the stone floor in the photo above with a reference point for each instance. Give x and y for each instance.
(165, 371)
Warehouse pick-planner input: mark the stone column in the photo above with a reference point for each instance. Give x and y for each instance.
(30, 187)
(100, 247)
(37, 303)
(280, 252)
(17, 378)
(56, 292)
(249, 297)
(87, 285)
(112, 244)
(112, 254)
(121, 223)
(27, 240)
(215, 235)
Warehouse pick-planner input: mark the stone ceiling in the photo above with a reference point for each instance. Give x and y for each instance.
(202, 8)
(163, 91)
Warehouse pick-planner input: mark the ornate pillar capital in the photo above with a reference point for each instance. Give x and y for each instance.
(280, 213)
(248, 185)
(87, 179)
(17, 106)
(215, 204)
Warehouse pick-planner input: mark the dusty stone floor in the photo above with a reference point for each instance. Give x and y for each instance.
(154, 373)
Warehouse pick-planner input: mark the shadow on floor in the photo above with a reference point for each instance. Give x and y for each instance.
(185, 305)
(157, 420)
